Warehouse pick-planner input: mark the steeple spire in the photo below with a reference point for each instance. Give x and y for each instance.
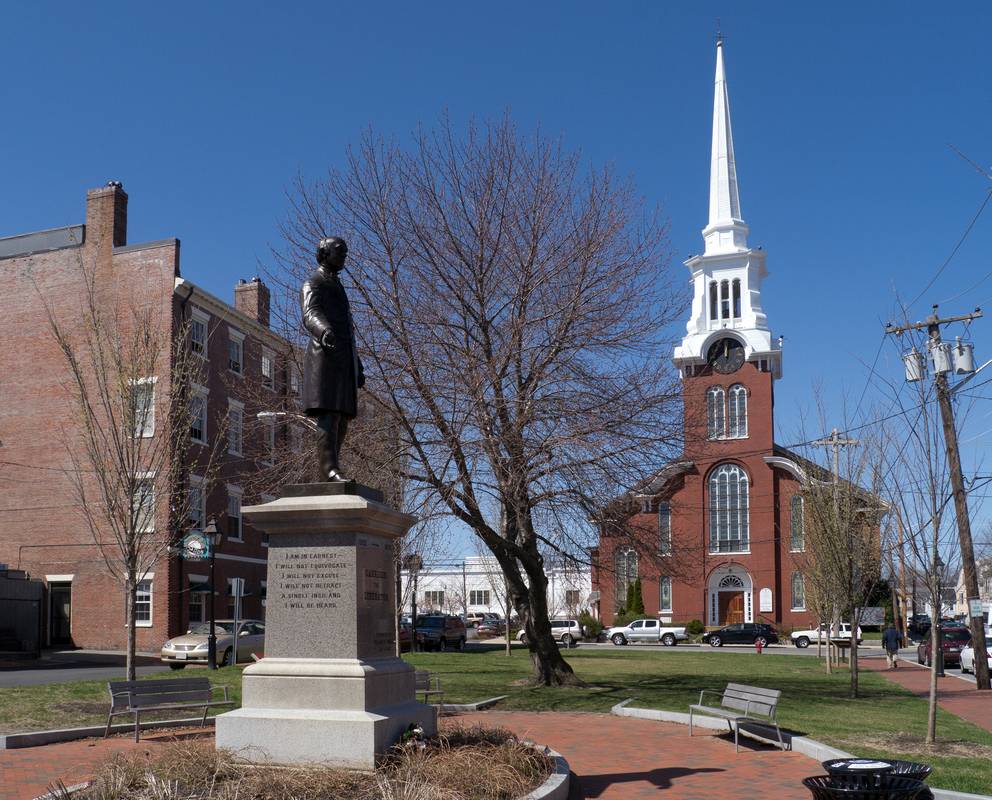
(726, 231)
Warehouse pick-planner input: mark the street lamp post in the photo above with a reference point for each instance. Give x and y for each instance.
(413, 563)
(213, 536)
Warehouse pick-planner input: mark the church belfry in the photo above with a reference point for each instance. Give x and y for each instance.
(726, 278)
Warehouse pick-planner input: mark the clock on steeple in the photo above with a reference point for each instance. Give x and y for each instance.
(726, 355)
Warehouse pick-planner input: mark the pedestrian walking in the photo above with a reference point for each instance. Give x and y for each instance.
(891, 641)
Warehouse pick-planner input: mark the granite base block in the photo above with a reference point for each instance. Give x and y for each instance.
(346, 739)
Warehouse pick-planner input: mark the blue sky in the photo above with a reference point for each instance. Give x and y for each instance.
(842, 118)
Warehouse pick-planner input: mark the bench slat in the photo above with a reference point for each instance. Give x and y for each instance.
(769, 693)
(181, 684)
(145, 700)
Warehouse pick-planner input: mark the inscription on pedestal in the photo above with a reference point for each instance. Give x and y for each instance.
(330, 596)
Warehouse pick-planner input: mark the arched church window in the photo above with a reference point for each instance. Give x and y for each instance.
(731, 582)
(664, 529)
(797, 541)
(737, 429)
(728, 486)
(798, 592)
(716, 412)
(724, 299)
(626, 573)
(713, 301)
(737, 298)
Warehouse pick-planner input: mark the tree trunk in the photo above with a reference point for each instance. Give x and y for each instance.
(131, 603)
(932, 709)
(550, 667)
(854, 655)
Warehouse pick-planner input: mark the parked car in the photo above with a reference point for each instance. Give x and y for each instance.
(952, 640)
(405, 636)
(804, 638)
(191, 648)
(489, 628)
(919, 624)
(440, 631)
(742, 633)
(646, 630)
(968, 657)
(566, 631)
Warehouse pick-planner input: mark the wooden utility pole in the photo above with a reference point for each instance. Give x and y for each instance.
(932, 325)
(902, 581)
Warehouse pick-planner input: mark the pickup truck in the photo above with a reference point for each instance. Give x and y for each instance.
(645, 630)
(804, 638)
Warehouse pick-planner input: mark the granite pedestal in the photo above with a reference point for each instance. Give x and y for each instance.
(330, 688)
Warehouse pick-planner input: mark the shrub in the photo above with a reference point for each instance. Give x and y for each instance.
(591, 626)
(695, 627)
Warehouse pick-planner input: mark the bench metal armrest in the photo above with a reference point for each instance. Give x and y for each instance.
(224, 688)
(705, 692)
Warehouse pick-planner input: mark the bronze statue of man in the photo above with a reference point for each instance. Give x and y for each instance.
(332, 370)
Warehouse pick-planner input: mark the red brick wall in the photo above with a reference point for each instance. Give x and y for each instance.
(41, 527)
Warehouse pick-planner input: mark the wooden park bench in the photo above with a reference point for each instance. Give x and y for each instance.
(741, 704)
(429, 685)
(134, 697)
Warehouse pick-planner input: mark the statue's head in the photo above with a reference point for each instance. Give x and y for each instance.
(331, 253)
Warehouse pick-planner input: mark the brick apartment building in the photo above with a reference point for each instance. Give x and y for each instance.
(41, 530)
(718, 535)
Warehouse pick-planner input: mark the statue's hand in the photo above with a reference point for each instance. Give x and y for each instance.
(328, 342)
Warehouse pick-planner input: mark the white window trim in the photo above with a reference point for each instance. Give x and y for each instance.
(662, 609)
(148, 476)
(203, 393)
(234, 335)
(239, 406)
(792, 592)
(150, 622)
(268, 355)
(201, 316)
(153, 379)
(236, 491)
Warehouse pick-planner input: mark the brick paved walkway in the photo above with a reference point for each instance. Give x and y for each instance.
(614, 758)
(26, 772)
(953, 694)
(618, 758)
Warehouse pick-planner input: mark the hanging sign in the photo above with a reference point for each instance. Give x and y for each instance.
(975, 607)
(195, 547)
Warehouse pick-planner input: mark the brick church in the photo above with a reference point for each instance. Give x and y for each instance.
(718, 534)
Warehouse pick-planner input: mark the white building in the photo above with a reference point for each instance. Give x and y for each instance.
(475, 584)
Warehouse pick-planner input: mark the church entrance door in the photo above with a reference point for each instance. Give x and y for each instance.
(731, 608)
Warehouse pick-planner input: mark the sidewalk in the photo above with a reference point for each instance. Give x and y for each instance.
(612, 758)
(953, 694)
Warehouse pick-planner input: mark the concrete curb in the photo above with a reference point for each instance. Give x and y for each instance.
(76, 787)
(801, 744)
(13, 741)
(557, 784)
(454, 708)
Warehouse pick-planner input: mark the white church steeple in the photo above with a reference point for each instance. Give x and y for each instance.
(727, 276)
(726, 231)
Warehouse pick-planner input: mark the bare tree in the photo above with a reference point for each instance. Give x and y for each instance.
(129, 375)
(512, 305)
(843, 515)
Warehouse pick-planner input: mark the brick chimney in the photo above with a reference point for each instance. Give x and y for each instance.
(252, 299)
(106, 215)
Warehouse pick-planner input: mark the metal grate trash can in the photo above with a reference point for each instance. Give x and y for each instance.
(865, 772)
(887, 787)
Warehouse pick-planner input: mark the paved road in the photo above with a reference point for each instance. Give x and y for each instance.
(69, 665)
(776, 649)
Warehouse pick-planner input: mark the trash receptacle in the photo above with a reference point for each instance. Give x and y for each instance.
(888, 787)
(868, 771)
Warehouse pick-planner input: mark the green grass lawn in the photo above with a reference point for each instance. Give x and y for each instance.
(885, 721)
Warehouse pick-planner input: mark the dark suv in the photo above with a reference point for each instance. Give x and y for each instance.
(742, 633)
(439, 632)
